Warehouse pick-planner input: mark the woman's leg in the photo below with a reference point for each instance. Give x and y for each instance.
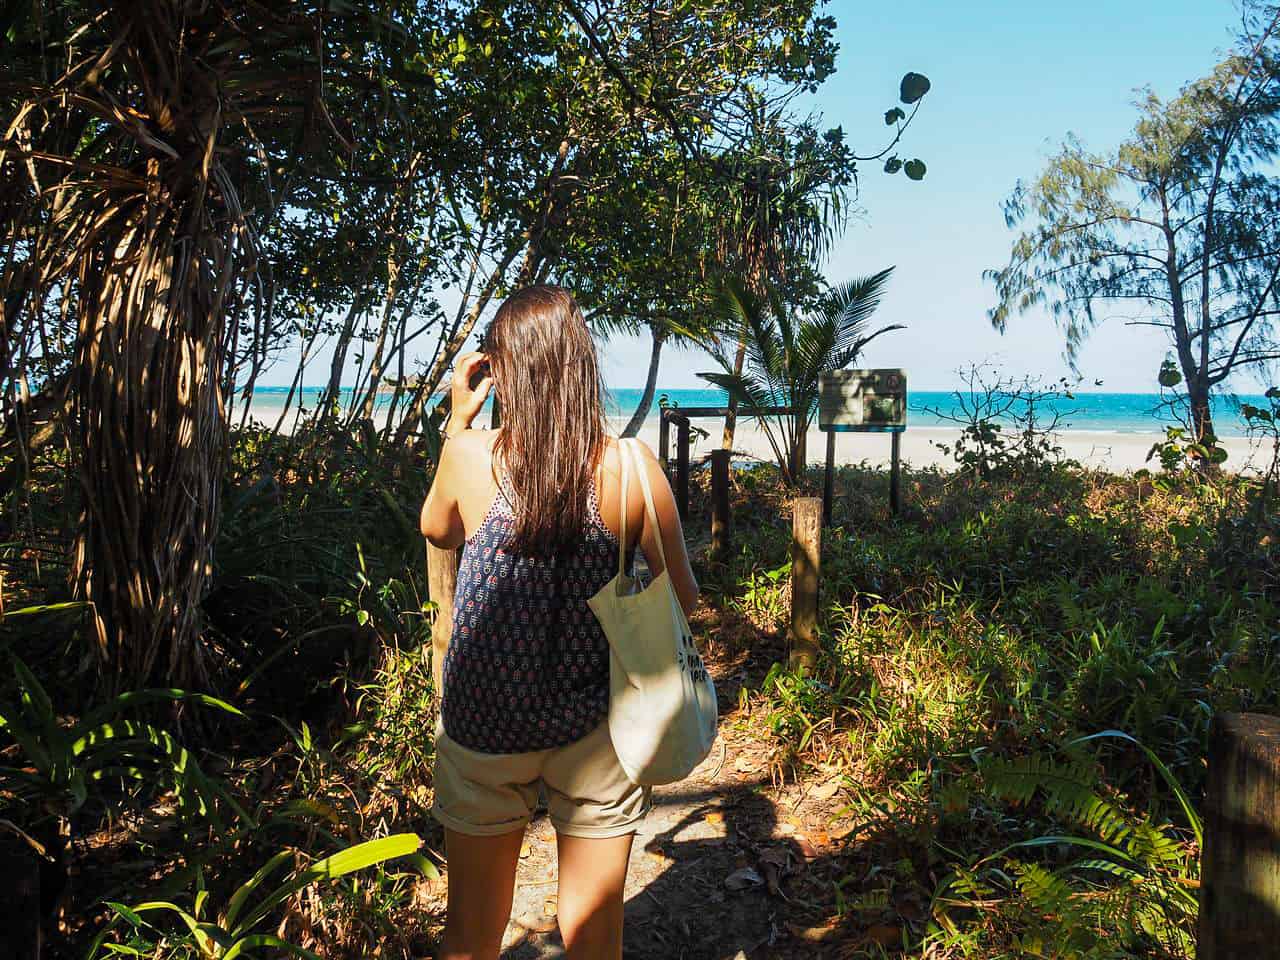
(593, 872)
(482, 880)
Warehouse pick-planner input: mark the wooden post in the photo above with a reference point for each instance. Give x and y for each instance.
(1240, 865)
(442, 581)
(19, 898)
(664, 442)
(682, 467)
(895, 474)
(827, 479)
(719, 503)
(806, 550)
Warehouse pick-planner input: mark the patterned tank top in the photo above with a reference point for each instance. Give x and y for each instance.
(527, 666)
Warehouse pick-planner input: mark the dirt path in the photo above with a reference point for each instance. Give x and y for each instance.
(725, 867)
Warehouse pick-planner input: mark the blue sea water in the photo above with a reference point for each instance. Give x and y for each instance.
(1099, 412)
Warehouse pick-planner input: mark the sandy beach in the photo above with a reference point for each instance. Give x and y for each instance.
(1118, 452)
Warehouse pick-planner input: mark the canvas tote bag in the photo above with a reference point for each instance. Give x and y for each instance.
(662, 703)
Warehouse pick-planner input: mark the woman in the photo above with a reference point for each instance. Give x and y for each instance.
(537, 506)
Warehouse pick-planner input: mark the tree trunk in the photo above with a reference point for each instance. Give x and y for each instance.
(1194, 375)
(650, 385)
(731, 420)
(534, 260)
(152, 437)
(451, 347)
(1201, 412)
(154, 272)
(799, 455)
(333, 389)
(369, 402)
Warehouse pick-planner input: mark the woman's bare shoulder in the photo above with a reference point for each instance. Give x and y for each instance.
(474, 440)
(469, 451)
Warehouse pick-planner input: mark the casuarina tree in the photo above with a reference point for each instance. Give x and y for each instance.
(1178, 228)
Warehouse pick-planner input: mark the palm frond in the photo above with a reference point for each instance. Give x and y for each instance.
(843, 358)
(853, 302)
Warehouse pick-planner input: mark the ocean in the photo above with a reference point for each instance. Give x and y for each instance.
(1095, 412)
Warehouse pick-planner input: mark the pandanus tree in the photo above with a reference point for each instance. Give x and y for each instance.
(141, 134)
(787, 347)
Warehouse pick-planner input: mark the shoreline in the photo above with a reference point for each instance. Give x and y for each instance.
(1097, 449)
(1113, 451)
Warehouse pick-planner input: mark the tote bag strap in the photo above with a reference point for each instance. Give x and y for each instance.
(625, 467)
(650, 511)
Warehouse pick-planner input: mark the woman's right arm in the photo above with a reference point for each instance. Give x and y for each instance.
(440, 520)
(664, 503)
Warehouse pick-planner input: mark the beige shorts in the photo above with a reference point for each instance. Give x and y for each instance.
(588, 794)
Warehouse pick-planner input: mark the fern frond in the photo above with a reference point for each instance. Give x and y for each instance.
(1048, 892)
(1069, 790)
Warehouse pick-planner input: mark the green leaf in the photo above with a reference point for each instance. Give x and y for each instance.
(127, 915)
(893, 116)
(346, 861)
(45, 608)
(185, 917)
(915, 169)
(892, 165)
(424, 866)
(913, 87)
(237, 901)
(137, 697)
(1188, 810)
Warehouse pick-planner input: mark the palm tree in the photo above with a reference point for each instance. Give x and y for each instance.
(784, 205)
(786, 350)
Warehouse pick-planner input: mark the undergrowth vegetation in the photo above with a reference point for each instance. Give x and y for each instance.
(284, 816)
(974, 649)
(1017, 680)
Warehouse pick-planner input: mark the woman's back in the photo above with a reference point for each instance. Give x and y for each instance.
(528, 665)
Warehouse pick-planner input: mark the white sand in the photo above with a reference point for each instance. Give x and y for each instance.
(1118, 452)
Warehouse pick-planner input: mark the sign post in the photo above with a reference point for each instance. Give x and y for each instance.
(862, 401)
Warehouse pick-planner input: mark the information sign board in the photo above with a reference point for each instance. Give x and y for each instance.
(867, 401)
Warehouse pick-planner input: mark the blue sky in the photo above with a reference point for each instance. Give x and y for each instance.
(1009, 81)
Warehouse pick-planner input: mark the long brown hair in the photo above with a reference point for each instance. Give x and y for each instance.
(552, 435)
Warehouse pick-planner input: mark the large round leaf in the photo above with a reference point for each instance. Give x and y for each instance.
(913, 87)
(915, 169)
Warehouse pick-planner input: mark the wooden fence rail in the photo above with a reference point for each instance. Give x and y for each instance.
(681, 417)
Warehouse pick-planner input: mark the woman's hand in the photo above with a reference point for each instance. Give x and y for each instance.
(467, 401)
